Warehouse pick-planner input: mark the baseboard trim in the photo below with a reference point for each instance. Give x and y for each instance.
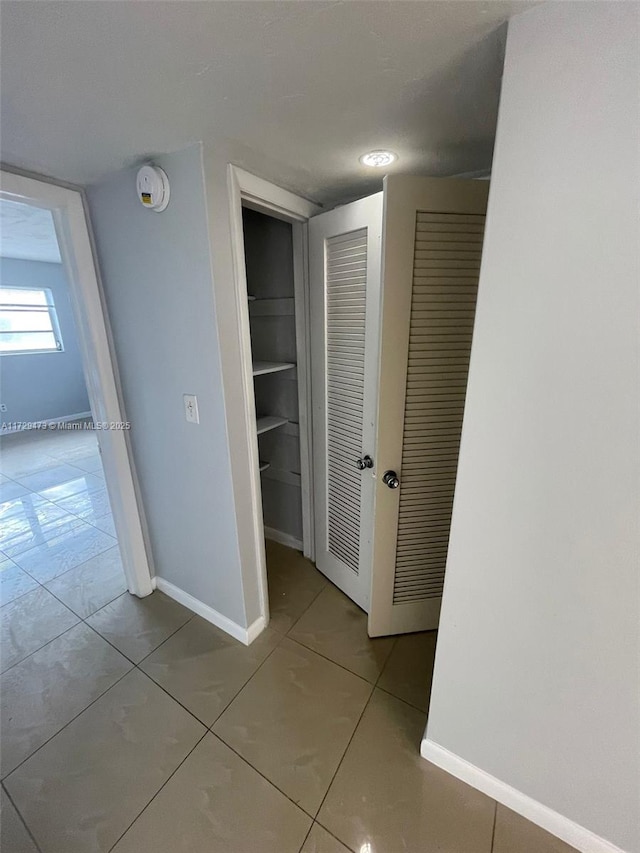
(283, 538)
(562, 827)
(49, 422)
(245, 635)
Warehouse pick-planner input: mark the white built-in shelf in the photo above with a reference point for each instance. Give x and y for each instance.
(277, 306)
(264, 466)
(269, 422)
(289, 477)
(262, 367)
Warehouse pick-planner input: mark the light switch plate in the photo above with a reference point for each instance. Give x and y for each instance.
(191, 408)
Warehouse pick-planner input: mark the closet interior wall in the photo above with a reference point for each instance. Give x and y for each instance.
(269, 262)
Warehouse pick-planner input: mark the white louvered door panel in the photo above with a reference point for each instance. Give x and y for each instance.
(346, 301)
(446, 267)
(344, 251)
(433, 233)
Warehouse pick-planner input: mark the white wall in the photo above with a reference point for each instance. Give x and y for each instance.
(537, 671)
(43, 386)
(156, 270)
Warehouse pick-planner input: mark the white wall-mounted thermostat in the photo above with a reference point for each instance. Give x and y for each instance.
(152, 185)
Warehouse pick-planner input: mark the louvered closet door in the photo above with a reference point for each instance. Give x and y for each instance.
(433, 232)
(344, 254)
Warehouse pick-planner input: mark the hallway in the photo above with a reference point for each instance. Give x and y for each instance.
(140, 727)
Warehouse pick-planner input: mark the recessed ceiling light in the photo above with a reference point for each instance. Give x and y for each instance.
(378, 159)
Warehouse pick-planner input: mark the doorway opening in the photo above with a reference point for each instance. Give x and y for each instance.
(57, 528)
(71, 522)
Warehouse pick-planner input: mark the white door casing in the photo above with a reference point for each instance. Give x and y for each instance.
(344, 258)
(67, 208)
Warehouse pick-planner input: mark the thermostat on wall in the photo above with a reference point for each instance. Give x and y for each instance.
(152, 184)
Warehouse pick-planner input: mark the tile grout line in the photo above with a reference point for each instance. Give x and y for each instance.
(236, 695)
(54, 503)
(104, 692)
(57, 637)
(400, 699)
(20, 818)
(261, 774)
(495, 820)
(44, 585)
(333, 835)
(304, 840)
(166, 782)
(209, 728)
(353, 734)
(68, 723)
(329, 660)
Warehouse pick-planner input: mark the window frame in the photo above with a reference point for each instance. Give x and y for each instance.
(53, 319)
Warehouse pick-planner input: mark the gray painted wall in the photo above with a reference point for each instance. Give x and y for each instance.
(156, 271)
(43, 386)
(536, 677)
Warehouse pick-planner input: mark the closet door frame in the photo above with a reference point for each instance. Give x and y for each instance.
(247, 190)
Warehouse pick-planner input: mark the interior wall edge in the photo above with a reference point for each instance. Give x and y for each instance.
(546, 818)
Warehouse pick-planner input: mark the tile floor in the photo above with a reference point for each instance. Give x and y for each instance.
(134, 726)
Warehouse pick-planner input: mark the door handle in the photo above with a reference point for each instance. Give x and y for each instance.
(390, 478)
(365, 462)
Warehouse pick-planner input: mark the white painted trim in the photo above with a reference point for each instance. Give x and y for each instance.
(50, 422)
(303, 370)
(283, 538)
(94, 340)
(254, 630)
(254, 192)
(242, 433)
(263, 195)
(548, 819)
(245, 635)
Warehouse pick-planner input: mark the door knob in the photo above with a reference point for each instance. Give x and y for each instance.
(365, 462)
(390, 478)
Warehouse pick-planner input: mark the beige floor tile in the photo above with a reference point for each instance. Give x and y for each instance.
(294, 719)
(216, 803)
(320, 841)
(82, 789)
(91, 585)
(409, 669)
(29, 622)
(45, 691)
(515, 833)
(14, 837)
(336, 628)
(204, 668)
(293, 583)
(385, 795)
(137, 626)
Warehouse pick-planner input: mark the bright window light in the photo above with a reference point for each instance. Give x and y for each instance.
(28, 321)
(378, 159)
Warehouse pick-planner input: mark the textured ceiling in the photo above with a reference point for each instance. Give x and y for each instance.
(89, 87)
(27, 232)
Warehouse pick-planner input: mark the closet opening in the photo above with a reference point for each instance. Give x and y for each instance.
(269, 261)
(274, 250)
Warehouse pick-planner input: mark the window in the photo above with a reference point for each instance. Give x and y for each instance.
(28, 321)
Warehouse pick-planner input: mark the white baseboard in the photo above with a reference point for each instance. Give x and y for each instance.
(562, 827)
(50, 422)
(245, 635)
(283, 538)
